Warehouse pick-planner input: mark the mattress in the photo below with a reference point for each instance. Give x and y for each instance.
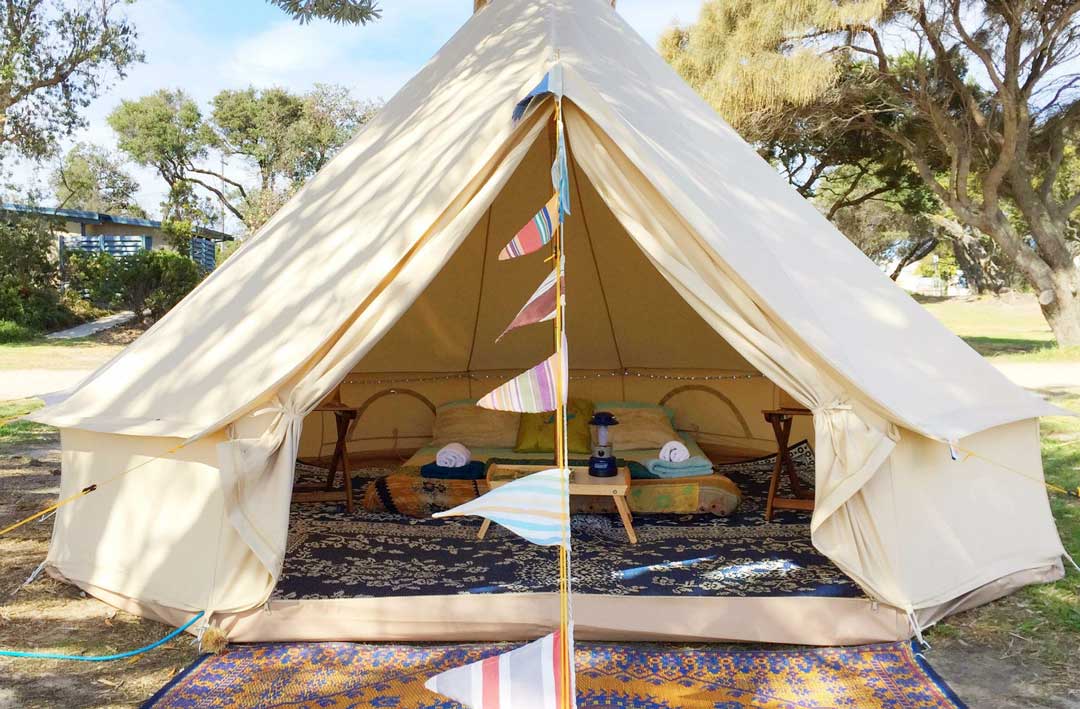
(406, 492)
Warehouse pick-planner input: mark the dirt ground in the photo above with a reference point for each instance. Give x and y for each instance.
(989, 670)
(1020, 651)
(53, 617)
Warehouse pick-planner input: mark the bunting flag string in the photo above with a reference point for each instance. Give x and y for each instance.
(535, 507)
(539, 675)
(530, 677)
(541, 304)
(542, 388)
(536, 234)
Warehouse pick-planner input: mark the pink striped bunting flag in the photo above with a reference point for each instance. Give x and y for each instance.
(529, 677)
(534, 391)
(541, 305)
(536, 233)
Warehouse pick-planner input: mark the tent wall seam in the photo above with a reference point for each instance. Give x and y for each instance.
(596, 265)
(480, 293)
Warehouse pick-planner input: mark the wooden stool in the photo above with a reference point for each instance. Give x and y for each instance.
(781, 420)
(344, 416)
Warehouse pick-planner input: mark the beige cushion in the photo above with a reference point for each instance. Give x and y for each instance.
(641, 429)
(465, 423)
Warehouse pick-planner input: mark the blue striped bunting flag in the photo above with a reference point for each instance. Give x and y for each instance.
(536, 507)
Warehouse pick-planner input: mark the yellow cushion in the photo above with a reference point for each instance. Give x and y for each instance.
(640, 429)
(466, 423)
(537, 431)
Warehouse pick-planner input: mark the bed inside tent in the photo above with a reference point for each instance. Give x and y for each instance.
(633, 340)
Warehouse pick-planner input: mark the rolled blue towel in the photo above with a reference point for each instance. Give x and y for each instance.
(685, 469)
(473, 470)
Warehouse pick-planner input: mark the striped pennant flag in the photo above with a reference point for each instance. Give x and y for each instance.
(536, 234)
(560, 175)
(541, 304)
(526, 678)
(534, 391)
(535, 507)
(552, 83)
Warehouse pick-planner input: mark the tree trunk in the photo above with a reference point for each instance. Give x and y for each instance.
(1063, 310)
(975, 260)
(918, 251)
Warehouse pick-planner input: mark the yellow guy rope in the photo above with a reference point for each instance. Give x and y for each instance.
(968, 453)
(85, 491)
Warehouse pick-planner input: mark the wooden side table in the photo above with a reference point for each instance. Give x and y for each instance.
(581, 483)
(781, 420)
(344, 416)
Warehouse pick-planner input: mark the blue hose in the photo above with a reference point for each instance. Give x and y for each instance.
(102, 658)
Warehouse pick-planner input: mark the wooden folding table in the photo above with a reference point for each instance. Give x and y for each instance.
(781, 420)
(344, 416)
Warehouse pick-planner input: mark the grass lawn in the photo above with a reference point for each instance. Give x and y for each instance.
(83, 353)
(1040, 625)
(1011, 327)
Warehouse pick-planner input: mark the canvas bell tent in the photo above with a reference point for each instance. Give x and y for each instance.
(696, 278)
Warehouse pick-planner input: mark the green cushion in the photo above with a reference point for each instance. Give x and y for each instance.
(536, 434)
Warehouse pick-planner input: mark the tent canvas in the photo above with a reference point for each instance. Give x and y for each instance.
(702, 259)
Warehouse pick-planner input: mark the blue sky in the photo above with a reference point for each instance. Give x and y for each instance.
(204, 46)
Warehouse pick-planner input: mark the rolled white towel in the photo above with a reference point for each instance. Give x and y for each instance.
(453, 455)
(674, 452)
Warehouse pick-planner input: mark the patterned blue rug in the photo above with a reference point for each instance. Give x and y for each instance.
(332, 554)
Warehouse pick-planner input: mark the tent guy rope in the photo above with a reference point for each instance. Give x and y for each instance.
(102, 658)
(85, 491)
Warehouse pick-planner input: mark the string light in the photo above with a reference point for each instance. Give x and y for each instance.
(573, 377)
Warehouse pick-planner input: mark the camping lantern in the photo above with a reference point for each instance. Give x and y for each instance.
(602, 462)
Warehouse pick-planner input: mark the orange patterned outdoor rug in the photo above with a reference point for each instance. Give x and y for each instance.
(638, 676)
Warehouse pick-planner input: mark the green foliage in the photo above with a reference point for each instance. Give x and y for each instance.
(28, 277)
(941, 264)
(14, 432)
(14, 332)
(92, 178)
(975, 100)
(352, 12)
(37, 309)
(164, 130)
(226, 250)
(26, 249)
(256, 124)
(178, 234)
(55, 58)
(284, 138)
(147, 280)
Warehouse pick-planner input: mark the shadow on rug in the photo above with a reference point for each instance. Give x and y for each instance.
(331, 675)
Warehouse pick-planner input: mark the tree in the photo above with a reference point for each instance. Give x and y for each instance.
(330, 118)
(54, 59)
(94, 179)
(166, 131)
(351, 12)
(981, 103)
(282, 138)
